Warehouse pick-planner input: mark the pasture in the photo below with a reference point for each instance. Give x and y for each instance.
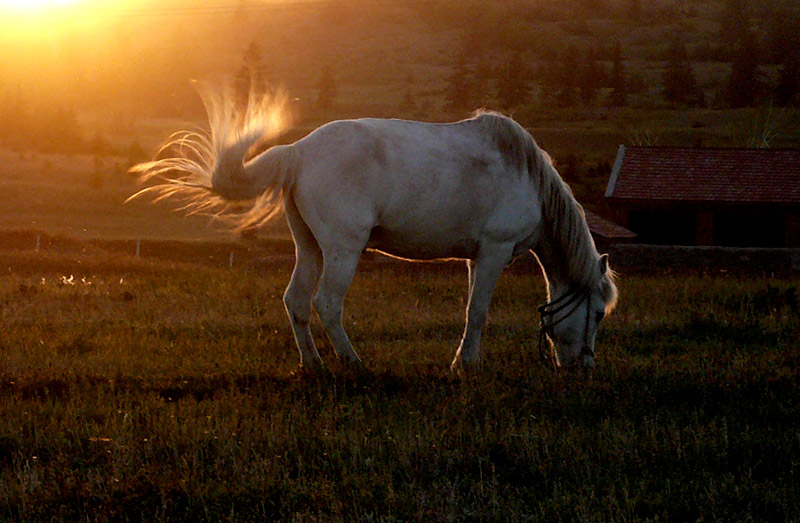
(165, 391)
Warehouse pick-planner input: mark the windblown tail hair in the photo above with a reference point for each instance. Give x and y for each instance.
(185, 164)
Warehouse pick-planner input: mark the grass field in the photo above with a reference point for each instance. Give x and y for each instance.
(164, 391)
(84, 197)
(163, 388)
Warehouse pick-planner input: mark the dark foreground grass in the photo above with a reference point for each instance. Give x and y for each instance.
(165, 392)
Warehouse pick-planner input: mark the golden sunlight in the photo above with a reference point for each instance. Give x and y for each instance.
(43, 20)
(32, 5)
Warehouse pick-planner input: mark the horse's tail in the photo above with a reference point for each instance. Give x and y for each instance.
(211, 172)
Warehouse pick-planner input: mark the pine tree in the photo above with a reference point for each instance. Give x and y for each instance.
(678, 80)
(326, 89)
(788, 86)
(567, 77)
(734, 23)
(744, 84)
(784, 40)
(634, 9)
(591, 76)
(57, 128)
(619, 78)
(251, 77)
(409, 104)
(459, 95)
(512, 82)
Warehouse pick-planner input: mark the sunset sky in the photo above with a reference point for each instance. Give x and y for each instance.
(35, 20)
(34, 5)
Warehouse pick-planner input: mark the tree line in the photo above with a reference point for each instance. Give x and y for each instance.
(509, 56)
(761, 53)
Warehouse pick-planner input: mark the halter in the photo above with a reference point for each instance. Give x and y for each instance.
(573, 298)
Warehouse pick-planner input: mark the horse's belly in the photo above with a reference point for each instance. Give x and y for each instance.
(420, 246)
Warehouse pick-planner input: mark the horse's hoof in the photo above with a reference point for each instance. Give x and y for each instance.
(353, 363)
(462, 369)
(312, 369)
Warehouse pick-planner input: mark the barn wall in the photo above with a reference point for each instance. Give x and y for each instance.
(745, 227)
(726, 226)
(705, 228)
(793, 229)
(662, 227)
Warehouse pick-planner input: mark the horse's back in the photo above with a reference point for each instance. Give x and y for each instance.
(417, 190)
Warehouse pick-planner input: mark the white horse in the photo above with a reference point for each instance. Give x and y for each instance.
(479, 189)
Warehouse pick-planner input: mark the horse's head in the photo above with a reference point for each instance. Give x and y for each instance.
(570, 321)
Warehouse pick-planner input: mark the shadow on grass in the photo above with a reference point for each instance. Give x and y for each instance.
(626, 390)
(201, 388)
(747, 335)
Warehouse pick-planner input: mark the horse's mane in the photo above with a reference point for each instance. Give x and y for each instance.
(563, 217)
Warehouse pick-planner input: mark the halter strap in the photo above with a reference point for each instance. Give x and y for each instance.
(573, 297)
(568, 298)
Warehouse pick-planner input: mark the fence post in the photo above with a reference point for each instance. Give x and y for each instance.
(230, 261)
(138, 247)
(38, 242)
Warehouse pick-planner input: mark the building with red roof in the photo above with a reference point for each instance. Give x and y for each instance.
(702, 196)
(606, 232)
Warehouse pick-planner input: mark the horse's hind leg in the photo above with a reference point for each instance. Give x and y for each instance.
(339, 266)
(299, 293)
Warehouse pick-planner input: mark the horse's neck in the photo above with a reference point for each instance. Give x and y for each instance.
(555, 266)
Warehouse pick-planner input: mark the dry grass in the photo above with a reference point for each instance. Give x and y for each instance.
(164, 391)
(82, 196)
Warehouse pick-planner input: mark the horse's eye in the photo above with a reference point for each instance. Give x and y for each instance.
(599, 316)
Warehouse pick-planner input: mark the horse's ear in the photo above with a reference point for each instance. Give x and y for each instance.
(604, 264)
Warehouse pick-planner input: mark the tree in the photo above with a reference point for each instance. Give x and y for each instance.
(789, 81)
(782, 36)
(251, 77)
(745, 85)
(409, 104)
(591, 76)
(680, 85)
(734, 23)
(619, 78)
(512, 82)
(634, 9)
(460, 95)
(326, 89)
(15, 116)
(784, 40)
(55, 128)
(567, 77)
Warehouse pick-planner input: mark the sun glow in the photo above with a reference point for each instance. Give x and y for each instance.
(33, 5)
(45, 20)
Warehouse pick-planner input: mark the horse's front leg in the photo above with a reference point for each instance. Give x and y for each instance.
(484, 272)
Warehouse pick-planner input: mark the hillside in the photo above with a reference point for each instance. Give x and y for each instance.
(584, 76)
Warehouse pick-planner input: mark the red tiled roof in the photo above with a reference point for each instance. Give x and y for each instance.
(761, 176)
(599, 226)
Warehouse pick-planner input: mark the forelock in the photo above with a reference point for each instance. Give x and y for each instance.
(608, 290)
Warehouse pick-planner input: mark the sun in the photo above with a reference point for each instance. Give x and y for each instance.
(33, 5)
(43, 20)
